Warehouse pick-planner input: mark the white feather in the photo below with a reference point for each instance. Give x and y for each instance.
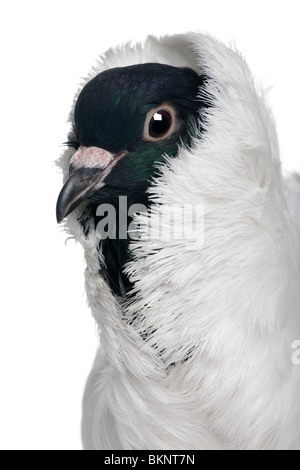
(229, 302)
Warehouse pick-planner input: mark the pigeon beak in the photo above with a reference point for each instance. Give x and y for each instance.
(88, 168)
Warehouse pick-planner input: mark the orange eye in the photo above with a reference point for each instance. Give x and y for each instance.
(160, 123)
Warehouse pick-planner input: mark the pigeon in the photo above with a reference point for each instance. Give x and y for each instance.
(139, 113)
(173, 185)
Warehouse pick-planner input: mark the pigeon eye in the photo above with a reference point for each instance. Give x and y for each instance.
(160, 123)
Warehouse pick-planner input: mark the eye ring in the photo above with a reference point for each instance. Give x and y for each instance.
(160, 123)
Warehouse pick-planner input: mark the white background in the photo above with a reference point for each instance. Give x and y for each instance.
(47, 336)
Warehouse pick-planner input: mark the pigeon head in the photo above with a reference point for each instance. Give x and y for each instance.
(126, 120)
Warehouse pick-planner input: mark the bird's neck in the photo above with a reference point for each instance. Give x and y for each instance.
(111, 212)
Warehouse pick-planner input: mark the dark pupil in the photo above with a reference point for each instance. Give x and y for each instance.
(160, 123)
